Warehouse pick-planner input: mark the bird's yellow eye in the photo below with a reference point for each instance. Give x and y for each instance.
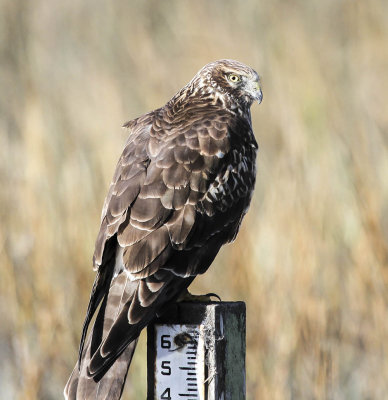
(234, 78)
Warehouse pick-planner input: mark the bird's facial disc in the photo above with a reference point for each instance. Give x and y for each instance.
(248, 85)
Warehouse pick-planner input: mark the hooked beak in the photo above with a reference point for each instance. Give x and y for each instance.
(254, 89)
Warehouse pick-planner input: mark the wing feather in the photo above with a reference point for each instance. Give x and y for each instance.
(141, 254)
(181, 224)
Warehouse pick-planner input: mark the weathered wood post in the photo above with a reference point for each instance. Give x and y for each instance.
(196, 351)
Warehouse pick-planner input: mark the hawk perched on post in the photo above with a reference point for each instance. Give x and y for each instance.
(181, 188)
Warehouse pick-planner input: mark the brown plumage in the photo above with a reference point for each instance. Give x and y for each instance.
(181, 188)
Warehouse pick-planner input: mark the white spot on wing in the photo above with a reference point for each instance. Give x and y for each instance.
(130, 276)
(119, 264)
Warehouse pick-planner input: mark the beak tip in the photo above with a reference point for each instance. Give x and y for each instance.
(260, 97)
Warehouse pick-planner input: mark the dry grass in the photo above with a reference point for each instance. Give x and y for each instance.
(311, 260)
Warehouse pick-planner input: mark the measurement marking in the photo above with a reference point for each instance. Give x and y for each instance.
(185, 364)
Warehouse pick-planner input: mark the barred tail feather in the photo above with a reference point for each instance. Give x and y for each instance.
(83, 387)
(109, 383)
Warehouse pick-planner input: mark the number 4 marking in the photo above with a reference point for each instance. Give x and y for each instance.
(166, 395)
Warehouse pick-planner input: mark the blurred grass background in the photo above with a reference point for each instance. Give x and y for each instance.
(311, 260)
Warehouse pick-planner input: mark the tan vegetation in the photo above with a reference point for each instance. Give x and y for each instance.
(311, 260)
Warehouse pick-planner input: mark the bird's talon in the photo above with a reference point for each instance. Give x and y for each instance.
(203, 298)
(210, 295)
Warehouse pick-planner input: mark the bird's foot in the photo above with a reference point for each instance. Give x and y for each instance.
(203, 298)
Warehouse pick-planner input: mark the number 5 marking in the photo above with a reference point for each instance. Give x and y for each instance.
(166, 368)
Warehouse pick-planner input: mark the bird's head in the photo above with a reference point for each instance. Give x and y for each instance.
(232, 80)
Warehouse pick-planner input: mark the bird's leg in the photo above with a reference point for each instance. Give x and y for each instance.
(204, 298)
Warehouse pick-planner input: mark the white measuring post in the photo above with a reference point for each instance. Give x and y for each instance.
(196, 351)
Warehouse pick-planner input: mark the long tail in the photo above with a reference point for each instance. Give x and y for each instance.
(81, 387)
(108, 385)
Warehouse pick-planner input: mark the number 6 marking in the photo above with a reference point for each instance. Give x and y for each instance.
(165, 342)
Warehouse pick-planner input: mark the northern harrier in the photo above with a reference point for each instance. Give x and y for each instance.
(181, 188)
